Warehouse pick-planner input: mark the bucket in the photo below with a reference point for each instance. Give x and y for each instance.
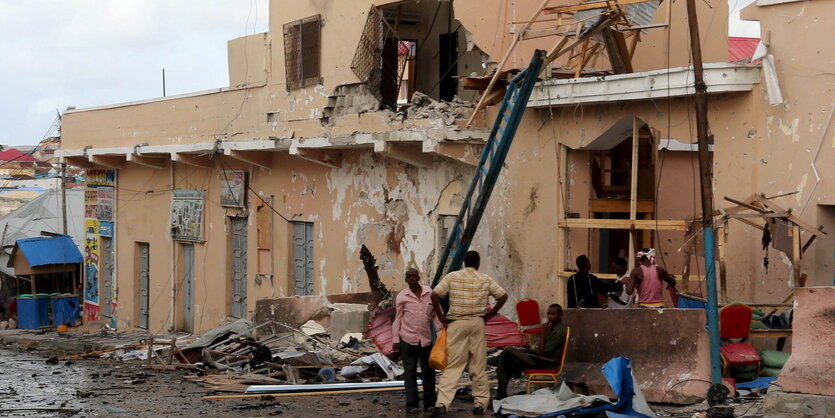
(63, 328)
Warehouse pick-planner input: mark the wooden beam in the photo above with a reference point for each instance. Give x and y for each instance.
(633, 187)
(322, 156)
(651, 224)
(262, 159)
(722, 243)
(507, 54)
(481, 83)
(154, 162)
(587, 6)
(617, 50)
(462, 152)
(808, 243)
(192, 160)
(411, 154)
(746, 205)
(620, 206)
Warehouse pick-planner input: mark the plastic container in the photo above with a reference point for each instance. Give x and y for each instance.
(65, 310)
(32, 313)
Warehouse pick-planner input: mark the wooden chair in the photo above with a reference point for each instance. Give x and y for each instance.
(527, 310)
(548, 375)
(735, 323)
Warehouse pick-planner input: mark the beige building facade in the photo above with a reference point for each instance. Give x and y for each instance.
(269, 187)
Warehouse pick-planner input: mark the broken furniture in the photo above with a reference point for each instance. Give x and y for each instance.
(735, 323)
(548, 375)
(527, 310)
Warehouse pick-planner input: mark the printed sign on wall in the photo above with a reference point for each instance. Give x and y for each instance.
(90, 201)
(104, 203)
(100, 177)
(91, 261)
(233, 188)
(187, 215)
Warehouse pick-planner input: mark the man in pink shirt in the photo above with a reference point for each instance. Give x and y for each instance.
(412, 338)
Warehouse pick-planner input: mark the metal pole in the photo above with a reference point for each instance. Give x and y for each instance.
(706, 178)
(64, 197)
(163, 82)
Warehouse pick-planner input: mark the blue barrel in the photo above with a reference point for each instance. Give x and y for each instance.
(32, 313)
(65, 310)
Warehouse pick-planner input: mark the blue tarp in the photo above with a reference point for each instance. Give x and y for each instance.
(618, 372)
(43, 251)
(760, 382)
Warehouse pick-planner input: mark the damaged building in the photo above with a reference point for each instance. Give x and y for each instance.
(355, 123)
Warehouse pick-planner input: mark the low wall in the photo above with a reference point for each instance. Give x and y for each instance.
(669, 350)
(811, 367)
(296, 310)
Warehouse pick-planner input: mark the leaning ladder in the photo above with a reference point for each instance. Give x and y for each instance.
(489, 166)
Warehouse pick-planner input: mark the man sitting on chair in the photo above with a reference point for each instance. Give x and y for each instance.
(546, 356)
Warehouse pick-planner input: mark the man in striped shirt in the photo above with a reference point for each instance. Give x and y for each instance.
(468, 292)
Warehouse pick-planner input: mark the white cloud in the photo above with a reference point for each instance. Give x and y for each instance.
(95, 52)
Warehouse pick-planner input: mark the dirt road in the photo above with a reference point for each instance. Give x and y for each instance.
(29, 387)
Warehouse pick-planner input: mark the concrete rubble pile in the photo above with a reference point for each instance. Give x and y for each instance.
(425, 107)
(240, 354)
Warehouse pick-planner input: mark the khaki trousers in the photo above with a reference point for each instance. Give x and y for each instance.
(466, 346)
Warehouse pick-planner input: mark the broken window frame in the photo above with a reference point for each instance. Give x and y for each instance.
(371, 64)
(302, 52)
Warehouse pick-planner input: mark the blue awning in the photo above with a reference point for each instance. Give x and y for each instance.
(44, 251)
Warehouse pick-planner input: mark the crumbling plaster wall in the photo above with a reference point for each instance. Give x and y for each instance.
(490, 22)
(782, 141)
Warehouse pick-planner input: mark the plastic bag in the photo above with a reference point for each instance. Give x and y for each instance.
(437, 358)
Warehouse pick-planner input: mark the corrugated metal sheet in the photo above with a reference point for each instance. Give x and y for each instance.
(44, 251)
(639, 14)
(740, 48)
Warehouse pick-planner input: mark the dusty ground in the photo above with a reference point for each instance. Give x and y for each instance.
(98, 387)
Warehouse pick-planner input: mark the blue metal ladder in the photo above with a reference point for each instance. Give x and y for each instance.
(489, 166)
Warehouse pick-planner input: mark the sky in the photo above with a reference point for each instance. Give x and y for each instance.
(84, 53)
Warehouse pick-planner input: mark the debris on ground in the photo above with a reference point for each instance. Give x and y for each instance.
(425, 107)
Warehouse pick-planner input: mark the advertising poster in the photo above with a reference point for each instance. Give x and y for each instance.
(91, 261)
(90, 201)
(104, 203)
(233, 188)
(187, 215)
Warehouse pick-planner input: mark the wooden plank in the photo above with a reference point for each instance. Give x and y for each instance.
(722, 243)
(808, 243)
(620, 206)
(566, 274)
(652, 224)
(586, 6)
(617, 51)
(481, 83)
(579, 70)
(507, 53)
(633, 184)
(746, 205)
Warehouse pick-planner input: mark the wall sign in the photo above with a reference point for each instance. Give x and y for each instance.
(233, 188)
(104, 203)
(187, 215)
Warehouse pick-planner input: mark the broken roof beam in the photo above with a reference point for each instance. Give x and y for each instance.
(262, 159)
(409, 153)
(148, 161)
(618, 52)
(327, 157)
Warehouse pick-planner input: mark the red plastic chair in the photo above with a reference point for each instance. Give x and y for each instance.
(548, 375)
(735, 323)
(527, 310)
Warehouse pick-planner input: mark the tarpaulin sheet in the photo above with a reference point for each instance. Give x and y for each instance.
(631, 402)
(500, 331)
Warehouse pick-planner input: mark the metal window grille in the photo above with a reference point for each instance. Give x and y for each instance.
(378, 61)
(302, 52)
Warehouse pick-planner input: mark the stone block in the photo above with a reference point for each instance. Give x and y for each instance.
(779, 402)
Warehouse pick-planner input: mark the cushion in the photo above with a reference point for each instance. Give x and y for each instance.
(532, 331)
(740, 354)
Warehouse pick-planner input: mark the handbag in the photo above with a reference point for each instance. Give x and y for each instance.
(437, 357)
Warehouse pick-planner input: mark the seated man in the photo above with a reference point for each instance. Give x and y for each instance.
(547, 355)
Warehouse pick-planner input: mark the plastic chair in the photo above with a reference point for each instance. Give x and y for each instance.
(527, 310)
(735, 323)
(548, 375)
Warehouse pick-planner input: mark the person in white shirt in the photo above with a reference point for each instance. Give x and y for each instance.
(622, 299)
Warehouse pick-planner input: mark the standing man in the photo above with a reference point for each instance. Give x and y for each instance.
(647, 277)
(627, 296)
(546, 356)
(412, 338)
(583, 287)
(468, 291)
